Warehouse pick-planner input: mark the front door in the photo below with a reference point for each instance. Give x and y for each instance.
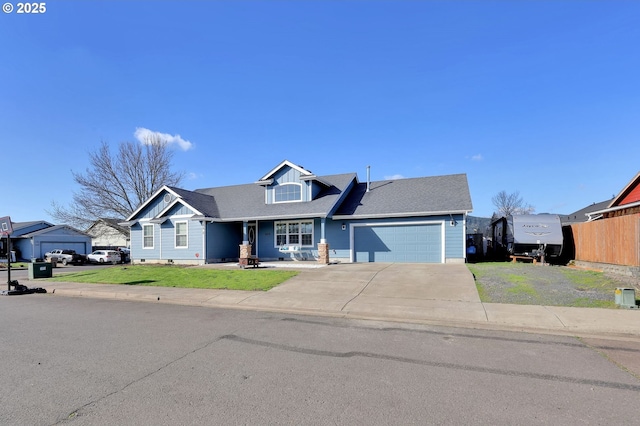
(253, 240)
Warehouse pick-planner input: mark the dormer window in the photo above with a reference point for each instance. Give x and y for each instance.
(288, 192)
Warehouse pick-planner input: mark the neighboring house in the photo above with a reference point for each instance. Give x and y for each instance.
(34, 239)
(291, 212)
(107, 233)
(610, 239)
(582, 214)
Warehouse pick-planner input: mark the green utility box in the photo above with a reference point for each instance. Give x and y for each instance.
(40, 270)
(625, 297)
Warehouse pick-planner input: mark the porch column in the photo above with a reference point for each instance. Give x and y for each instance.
(245, 247)
(323, 246)
(245, 232)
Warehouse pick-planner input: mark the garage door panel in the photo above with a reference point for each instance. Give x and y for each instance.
(47, 246)
(398, 243)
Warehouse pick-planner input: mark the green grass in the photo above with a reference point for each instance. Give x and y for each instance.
(520, 283)
(14, 265)
(518, 279)
(181, 277)
(585, 302)
(523, 289)
(589, 280)
(482, 292)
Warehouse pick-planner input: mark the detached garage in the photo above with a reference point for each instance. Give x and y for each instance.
(34, 239)
(420, 242)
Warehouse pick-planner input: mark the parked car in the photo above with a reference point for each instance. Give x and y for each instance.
(125, 254)
(104, 256)
(65, 256)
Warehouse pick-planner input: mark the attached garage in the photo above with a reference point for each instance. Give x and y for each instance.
(398, 242)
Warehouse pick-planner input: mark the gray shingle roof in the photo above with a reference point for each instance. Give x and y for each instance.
(51, 229)
(407, 197)
(581, 215)
(114, 223)
(205, 204)
(343, 197)
(244, 202)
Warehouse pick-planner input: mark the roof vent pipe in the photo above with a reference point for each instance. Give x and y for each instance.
(368, 178)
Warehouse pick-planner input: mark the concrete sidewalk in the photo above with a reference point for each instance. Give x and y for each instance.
(427, 294)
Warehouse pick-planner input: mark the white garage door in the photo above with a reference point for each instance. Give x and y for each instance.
(409, 243)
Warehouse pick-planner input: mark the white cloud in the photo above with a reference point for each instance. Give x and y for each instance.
(477, 157)
(146, 135)
(394, 177)
(194, 176)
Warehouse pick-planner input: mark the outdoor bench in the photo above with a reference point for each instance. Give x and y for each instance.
(249, 261)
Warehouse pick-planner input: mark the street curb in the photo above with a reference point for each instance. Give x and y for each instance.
(590, 332)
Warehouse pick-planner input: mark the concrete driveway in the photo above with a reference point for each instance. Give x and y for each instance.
(384, 290)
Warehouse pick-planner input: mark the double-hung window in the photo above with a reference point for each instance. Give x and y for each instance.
(181, 234)
(147, 236)
(294, 233)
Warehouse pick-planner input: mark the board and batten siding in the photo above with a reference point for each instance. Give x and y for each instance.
(284, 176)
(156, 206)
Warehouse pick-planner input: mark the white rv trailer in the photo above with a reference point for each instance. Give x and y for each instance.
(533, 235)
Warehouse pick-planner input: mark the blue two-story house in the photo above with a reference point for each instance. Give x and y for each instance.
(292, 213)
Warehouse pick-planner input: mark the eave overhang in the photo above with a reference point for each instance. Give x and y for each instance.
(288, 163)
(405, 214)
(203, 218)
(128, 223)
(150, 199)
(274, 218)
(599, 213)
(159, 220)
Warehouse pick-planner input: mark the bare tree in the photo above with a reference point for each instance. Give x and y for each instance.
(508, 204)
(114, 186)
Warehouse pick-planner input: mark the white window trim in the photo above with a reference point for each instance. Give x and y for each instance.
(288, 201)
(175, 234)
(153, 236)
(299, 222)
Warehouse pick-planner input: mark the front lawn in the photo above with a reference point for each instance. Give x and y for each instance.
(182, 277)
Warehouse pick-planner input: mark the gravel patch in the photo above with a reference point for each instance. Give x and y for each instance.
(550, 285)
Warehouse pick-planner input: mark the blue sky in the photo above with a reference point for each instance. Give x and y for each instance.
(540, 97)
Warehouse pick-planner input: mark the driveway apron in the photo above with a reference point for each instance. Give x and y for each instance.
(383, 290)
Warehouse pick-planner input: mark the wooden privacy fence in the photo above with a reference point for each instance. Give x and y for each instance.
(614, 240)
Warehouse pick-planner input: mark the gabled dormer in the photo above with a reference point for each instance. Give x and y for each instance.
(289, 183)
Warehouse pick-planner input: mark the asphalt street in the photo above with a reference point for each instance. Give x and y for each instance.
(94, 362)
